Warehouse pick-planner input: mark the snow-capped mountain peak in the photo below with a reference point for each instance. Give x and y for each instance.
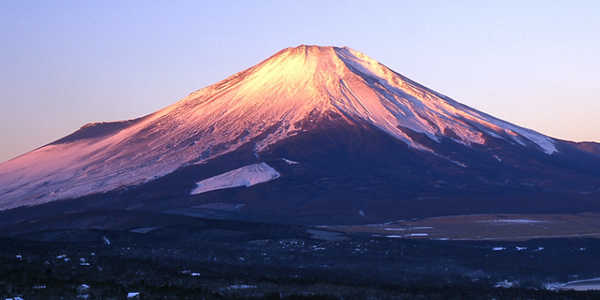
(297, 82)
(264, 104)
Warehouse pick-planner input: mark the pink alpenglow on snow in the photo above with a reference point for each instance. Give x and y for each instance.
(293, 87)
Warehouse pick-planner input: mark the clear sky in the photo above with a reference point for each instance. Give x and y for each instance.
(67, 63)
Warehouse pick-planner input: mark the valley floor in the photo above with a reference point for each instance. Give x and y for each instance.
(236, 260)
(509, 227)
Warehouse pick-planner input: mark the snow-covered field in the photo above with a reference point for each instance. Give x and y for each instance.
(486, 227)
(578, 285)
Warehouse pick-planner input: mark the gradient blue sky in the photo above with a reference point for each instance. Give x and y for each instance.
(67, 63)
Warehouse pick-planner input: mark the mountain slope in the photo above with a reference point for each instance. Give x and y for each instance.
(307, 104)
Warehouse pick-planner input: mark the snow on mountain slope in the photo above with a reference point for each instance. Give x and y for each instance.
(244, 176)
(263, 104)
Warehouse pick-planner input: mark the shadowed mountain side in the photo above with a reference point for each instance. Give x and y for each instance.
(357, 175)
(591, 147)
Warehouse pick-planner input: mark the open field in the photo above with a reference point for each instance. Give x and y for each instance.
(486, 227)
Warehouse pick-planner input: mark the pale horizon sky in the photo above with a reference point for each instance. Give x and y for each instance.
(64, 64)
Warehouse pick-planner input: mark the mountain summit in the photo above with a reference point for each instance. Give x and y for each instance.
(332, 116)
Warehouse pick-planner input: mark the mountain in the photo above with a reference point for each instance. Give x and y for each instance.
(590, 147)
(312, 135)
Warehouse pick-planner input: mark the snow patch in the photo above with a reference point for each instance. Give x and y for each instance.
(394, 236)
(505, 284)
(143, 229)
(418, 234)
(241, 286)
(290, 162)
(244, 176)
(578, 285)
(514, 221)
